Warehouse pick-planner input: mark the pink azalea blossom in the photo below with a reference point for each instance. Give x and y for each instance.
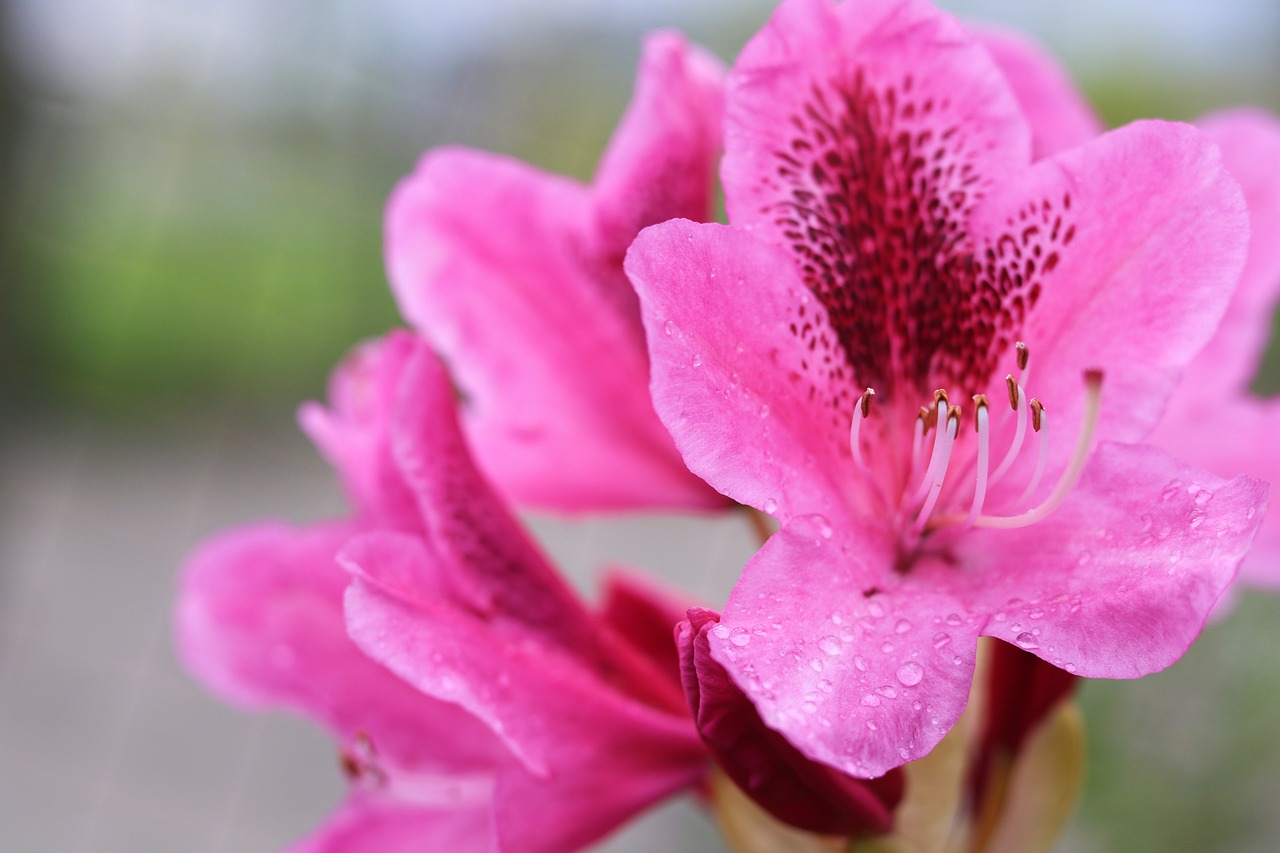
(890, 231)
(1213, 399)
(515, 276)
(522, 720)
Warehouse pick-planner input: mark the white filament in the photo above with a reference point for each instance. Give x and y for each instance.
(1018, 435)
(984, 445)
(947, 438)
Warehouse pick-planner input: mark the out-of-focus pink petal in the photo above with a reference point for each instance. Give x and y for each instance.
(568, 727)
(661, 161)
(1142, 235)
(354, 433)
(1117, 582)
(727, 377)
(882, 56)
(1230, 438)
(1060, 116)
(1250, 143)
(371, 824)
(858, 666)
(514, 275)
(797, 791)
(645, 614)
(259, 621)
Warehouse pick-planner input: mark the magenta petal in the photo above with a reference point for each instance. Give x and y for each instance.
(637, 609)
(762, 763)
(549, 709)
(661, 161)
(259, 620)
(1119, 581)
(496, 567)
(787, 87)
(1060, 116)
(514, 276)
(1146, 237)
(354, 432)
(1250, 143)
(717, 305)
(859, 667)
(371, 824)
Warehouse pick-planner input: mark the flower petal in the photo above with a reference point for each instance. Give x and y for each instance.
(354, 432)
(645, 614)
(370, 824)
(1117, 582)
(727, 376)
(661, 161)
(795, 790)
(1060, 116)
(1140, 236)
(1250, 143)
(514, 275)
(858, 666)
(565, 724)
(259, 621)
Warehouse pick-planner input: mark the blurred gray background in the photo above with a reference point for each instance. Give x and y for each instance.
(190, 236)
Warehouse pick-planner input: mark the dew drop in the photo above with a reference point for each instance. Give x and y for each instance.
(721, 631)
(1000, 616)
(954, 620)
(826, 686)
(1203, 497)
(1196, 517)
(1250, 513)
(860, 662)
(824, 527)
(830, 645)
(876, 609)
(739, 637)
(1027, 640)
(871, 726)
(809, 707)
(903, 753)
(697, 359)
(916, 706)
(903, 626)
(770, 506)
(940, 639)
(910, 674)
(871, 700)
(669, 327)
(1170, 490)
(764, 410)
(1036, 612)
(816, 665)
(886, 647)
(1070, 667)
(887, 692)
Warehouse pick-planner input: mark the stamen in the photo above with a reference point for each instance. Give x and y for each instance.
(860, 414)
(1070, 474)
(939, 414)
(1040, 423)
(1023, 355)
(1018, 400)
(947, 438)
(981, 424)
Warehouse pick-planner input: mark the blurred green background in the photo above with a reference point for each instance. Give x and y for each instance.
(190, 231)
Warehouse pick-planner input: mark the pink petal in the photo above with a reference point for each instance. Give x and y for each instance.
(645, 614)
(1141, 236)
(1118, 581)
(569, 728)
(259, 621)
(661, 161)
(858, 666)
(717, 304)
(1060, 116)
(354, 433)
(1250, 143)
(494, 567)
(795, 790)
(370, 824)
(1196, 432)
(790, 82)
(514, 275)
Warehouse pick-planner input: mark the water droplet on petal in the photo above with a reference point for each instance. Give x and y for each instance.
(954, 620)
(1027, 640)
(860, 662)
(721, 631)
(887, 692)
(770, 506)
(1203, 497)
(830, 645)
(910, 674)
(669, 327)
(824, 527)
(739, 636)
(816, 665)
(871, 701)
(886, 647)
(697, 359)
(1195, 518)
(871, 726)
(940, 639)
(903, 626)
(1070, 667)
(764, 410)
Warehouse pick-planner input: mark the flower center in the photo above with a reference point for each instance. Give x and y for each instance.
(941, 461)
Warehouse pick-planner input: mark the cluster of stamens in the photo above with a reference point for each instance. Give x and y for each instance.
(931, 463)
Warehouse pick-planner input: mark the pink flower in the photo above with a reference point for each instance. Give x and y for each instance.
(890, 231)
(510, 700)
(515, 276)
(1213, 400)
